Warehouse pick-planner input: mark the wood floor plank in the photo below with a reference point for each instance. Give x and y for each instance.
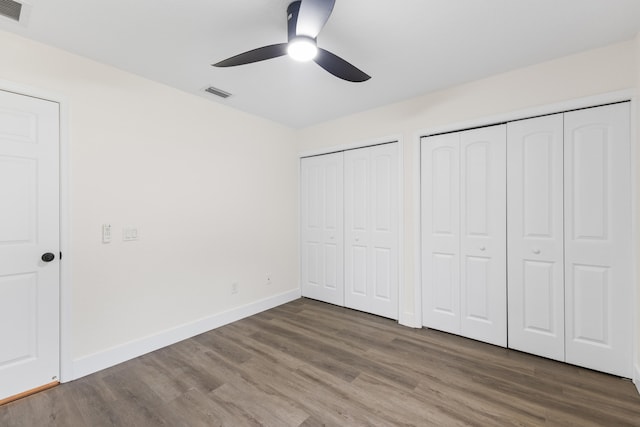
(445, 387)
(320, 403)
(268, 408)
(324, 359)
(51, 408)
(311, 364)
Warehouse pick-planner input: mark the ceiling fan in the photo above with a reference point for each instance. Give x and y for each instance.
(305, 19)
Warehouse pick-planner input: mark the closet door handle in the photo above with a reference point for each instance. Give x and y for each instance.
(536, 251)
(483, 248)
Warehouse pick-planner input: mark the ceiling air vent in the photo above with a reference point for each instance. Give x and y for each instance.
(10, 9)
(215, 91)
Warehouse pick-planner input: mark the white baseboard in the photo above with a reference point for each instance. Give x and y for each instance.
(104, 359)
(636, 376)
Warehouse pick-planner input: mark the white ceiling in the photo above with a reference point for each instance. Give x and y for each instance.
(409, 47)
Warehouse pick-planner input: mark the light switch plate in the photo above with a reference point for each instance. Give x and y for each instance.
(106, 233)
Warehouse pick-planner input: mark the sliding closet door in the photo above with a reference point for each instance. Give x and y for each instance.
(535, 236)
(440, 186)
(483, 287)
(598, 278)
(371, 229)
(322, 228)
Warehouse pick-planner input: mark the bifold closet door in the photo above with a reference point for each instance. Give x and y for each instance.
(483, 240)
(440, 186)
(535, 236)
(322, 240)
(464, 233)
(371, 229)
(598, 265)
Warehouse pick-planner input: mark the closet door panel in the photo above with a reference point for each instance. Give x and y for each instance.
(598, 278)
(332, 233)
(312, 227)
(322, 228)
(384, 229)
(440, 187)
(535, 236)
(483, 234)
(371, 229)
(357, 236)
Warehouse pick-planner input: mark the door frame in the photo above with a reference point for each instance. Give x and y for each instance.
(403, 317)
(630, 95)
(65, 323)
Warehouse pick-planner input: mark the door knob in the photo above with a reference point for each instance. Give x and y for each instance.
(47, 257)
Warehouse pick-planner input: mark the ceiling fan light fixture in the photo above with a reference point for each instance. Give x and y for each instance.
(305, 19)
(302, 48)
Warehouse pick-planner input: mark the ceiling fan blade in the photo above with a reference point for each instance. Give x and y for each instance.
(255, 55)
(312, 16)
(339, 67)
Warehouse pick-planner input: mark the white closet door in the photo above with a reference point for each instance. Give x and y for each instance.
(598, 279)
(440, 187)
(535, 236)
(322, 228)
(483, 287)
(371, 229)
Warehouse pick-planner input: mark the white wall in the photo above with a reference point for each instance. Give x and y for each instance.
(212, 190)
(608, 69)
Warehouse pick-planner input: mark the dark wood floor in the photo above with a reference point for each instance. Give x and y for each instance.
(308, 364)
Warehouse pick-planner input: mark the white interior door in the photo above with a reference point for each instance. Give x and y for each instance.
(598, 279)
(535, 236)
(440, 198)
(322, 228)
(483, 240)
(29, 228)
(371, 229)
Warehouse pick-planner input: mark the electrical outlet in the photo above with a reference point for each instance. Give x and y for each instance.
(234, 288)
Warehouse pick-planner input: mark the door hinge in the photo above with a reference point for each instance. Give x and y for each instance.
(60, 255)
